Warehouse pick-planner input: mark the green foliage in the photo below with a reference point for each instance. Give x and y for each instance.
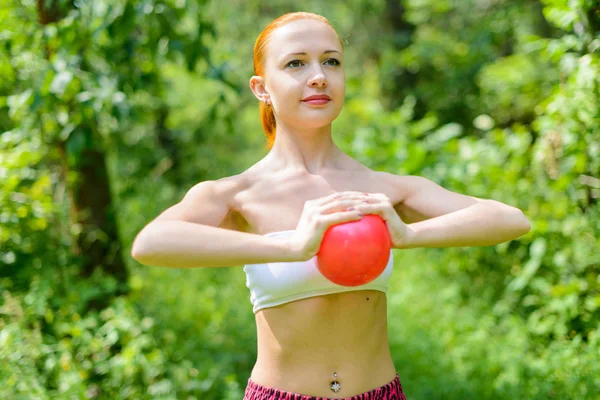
(52, 351)
(535, 131)
(497, 100)
(27, 207)
(473, 351)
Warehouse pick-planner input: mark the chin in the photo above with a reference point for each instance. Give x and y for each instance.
(318, 118)
(311, 122)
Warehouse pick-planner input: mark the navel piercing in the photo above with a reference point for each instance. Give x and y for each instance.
(335, 385)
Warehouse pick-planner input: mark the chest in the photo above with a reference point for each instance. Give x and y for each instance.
(275, 203)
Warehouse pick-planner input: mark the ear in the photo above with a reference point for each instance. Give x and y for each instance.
(259, 88)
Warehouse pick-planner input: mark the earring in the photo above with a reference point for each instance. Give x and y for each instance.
(267, 102)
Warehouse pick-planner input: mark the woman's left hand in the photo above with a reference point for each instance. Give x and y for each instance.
(380, 204)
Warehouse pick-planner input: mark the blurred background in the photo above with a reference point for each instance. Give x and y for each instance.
(110, 110)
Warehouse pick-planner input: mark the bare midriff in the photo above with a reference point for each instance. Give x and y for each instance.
(302, 344)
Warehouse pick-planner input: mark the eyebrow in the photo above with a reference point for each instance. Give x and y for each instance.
(303, 53)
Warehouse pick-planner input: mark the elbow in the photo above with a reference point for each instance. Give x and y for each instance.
(140, 247)
(513, 219)
(526, 225)
(136, 253)
(521, 224)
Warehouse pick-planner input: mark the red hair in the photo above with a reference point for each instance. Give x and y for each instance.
(267, 118)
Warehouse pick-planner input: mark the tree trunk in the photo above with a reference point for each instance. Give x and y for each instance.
(97, 243)
(402, 32)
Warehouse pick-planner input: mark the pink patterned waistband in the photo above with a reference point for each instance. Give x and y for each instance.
(391, 391)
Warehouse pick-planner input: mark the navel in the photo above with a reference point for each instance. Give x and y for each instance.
(334, 385)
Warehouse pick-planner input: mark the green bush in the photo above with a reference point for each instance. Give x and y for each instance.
(492, 99)
(49, 350)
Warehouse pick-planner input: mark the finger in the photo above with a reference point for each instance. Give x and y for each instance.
(378, 196)
(373, 199)
(330, 197)
(337, 196)
(373, 208)
(338, 205)
(354, 196)
(331, 219)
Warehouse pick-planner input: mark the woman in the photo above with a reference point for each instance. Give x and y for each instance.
(315, 339)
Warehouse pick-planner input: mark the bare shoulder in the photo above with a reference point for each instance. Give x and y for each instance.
(211, 202)
(412, 185)
(419, 198)
(409, 186)
(403, 185)
(224, 189)
(396, 187)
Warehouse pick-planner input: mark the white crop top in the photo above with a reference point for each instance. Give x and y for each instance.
(272, 284)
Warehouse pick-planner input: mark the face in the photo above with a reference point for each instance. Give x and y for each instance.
(303, 58)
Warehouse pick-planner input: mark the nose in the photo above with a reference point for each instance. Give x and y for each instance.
(318, 79)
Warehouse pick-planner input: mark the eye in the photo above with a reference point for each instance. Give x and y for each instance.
(335, 61)
(294, 63)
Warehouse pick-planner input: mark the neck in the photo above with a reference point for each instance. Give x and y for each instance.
(307, 150)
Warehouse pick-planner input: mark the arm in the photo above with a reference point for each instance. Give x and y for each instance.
(437, 217)
(200, 232)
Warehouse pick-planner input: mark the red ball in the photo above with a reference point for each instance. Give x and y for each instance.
(355, 253)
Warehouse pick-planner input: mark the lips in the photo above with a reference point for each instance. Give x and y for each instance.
(317, 97)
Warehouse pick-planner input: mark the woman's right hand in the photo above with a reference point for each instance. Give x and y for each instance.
(318, 215)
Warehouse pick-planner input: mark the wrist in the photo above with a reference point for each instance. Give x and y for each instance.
(410, 239)
(293, 251)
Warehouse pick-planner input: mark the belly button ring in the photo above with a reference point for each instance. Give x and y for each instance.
(335, 385)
